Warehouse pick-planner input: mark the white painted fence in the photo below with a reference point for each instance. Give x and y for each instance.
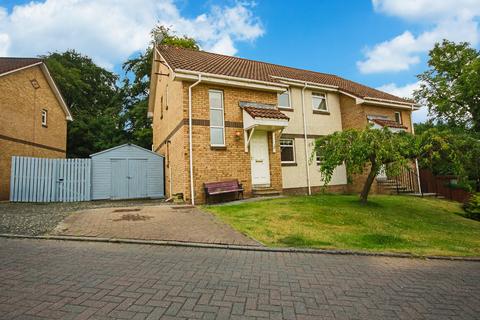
(50, 180)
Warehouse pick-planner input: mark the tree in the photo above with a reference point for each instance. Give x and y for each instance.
(450, 88)
(447, 151)
(94, 99)
(136, 86)
(368, 149)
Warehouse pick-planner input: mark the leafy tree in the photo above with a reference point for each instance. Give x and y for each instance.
(369, 149)
(451, 86)
(447, 151)
(94, 99)
(137, 83)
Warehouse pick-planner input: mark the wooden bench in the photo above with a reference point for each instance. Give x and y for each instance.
(223, 187)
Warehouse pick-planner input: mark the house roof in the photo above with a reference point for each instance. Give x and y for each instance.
(269, 113)
(8, 64)
(388, 123)
(207, 62)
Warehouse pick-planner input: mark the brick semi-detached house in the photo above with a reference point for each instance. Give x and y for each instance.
(33, 115)
(255, 121)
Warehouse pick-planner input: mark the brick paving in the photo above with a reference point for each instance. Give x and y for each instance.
(161, 222)
(82, 280)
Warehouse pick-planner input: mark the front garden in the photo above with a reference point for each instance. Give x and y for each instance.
(406, 224)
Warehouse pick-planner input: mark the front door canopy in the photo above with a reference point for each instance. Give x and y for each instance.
(262, 117)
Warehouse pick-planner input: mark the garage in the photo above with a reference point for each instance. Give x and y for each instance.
(127, 172)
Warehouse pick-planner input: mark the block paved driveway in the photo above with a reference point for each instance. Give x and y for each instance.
(160, 222)
(84, 280)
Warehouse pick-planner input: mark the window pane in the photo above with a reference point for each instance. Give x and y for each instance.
(287, 154)
(216, 117)
(215, 99)
(319, 101)
(286, 142)
(216, 136)
(283, 100)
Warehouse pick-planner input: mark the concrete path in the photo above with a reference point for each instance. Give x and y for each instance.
(80, 280)
(161, 222)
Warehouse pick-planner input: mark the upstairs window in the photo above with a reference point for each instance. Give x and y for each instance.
(217, 122)
(284, 100)
(287, 148)
(319, 101)
(44, 117)
(398, 117)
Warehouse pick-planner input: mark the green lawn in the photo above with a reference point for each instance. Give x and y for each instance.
(421, 226)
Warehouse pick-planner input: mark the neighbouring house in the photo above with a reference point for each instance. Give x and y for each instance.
(218, 117)
(33, 115)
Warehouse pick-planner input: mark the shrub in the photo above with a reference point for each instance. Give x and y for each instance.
(472, 207)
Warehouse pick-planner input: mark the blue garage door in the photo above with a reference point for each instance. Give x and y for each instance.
(129, 178)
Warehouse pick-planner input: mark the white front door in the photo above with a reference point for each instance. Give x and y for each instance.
(259, 158)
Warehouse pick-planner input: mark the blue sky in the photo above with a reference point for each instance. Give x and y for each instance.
(380, 43)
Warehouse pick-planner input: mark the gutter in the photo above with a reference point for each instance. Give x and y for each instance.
(190, 146)
(305, 139)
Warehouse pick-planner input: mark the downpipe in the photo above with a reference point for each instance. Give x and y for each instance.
(305, 139)
(190, 146)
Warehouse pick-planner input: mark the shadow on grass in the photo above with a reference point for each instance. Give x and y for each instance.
(298, 240)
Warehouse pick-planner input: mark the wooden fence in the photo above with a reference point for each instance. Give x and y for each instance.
(50, 180)
(440, 185)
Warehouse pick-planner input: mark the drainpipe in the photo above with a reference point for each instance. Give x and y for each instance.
(190, 147)
(416, 160)
(305, 139)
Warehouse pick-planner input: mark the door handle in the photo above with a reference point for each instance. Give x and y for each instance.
(258, 161)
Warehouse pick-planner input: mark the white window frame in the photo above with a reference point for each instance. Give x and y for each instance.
(293, 150)
(44, 117)
(399, 117)
(223, 118)
(314, 93)
(289, 100)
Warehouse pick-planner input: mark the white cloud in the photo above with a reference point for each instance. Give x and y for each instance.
(406, 91)
(455, 20)
(111, 30)
(403, 92)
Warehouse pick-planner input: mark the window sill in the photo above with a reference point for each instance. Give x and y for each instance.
(285, 109)
(321, 112)
(218, 147)
(289, 164)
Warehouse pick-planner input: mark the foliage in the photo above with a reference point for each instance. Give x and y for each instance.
(136, 86)
(94, 99)
(107, 111)
(386, 223)
(472, 207)
(358, 149)
(451, 86)
(450, 151)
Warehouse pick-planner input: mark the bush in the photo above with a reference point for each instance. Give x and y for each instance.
(472, 207)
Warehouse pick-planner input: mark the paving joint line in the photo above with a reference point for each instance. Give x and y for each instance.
(237, 247)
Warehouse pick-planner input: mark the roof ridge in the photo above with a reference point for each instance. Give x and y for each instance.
(31, 58)
(252, 60)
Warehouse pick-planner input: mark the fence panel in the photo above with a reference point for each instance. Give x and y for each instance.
(50, 180)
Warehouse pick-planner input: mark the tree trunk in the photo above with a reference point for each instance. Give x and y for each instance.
(368, 184)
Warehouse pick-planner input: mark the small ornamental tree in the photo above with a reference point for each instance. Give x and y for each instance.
(368, 149)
